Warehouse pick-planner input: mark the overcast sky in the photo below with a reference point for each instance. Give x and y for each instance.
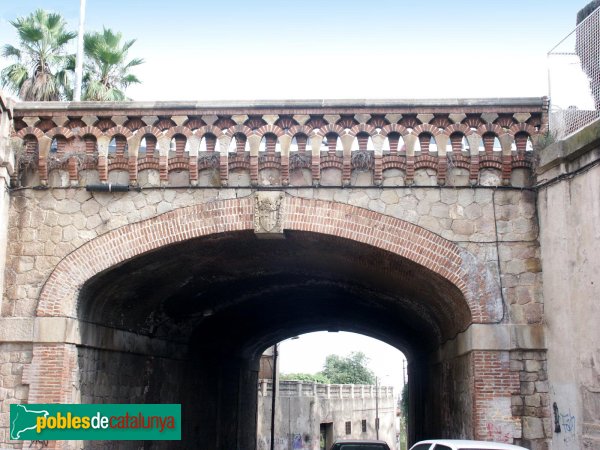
(308, 352)
(197, 50)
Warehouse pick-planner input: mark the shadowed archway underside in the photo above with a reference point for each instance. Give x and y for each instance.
(246, 293)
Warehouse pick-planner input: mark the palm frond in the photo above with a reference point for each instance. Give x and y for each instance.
(135, 62)
(107, 68)
(41, 50)
(13, 77)
(130, 79)
(10, 51)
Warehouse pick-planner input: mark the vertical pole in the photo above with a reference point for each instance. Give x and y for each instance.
(79, 61)
(377, 407)
(274, 394)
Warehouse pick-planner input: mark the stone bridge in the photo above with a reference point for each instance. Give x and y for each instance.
(155, 250)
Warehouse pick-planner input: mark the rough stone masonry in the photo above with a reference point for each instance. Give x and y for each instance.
(154, 250)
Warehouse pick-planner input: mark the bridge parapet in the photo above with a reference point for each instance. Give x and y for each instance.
(291, 388)
(291, 143)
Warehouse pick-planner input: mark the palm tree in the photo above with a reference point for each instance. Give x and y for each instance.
(39, 72)
(106, 71)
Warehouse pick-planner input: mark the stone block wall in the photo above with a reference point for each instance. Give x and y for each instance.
(14, 360)
(464, 213)
(532, 400)
(117, 377)
(48, 225)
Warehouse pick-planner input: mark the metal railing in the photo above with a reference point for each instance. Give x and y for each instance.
(574, 78)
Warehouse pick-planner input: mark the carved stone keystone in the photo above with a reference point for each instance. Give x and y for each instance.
(268, 214)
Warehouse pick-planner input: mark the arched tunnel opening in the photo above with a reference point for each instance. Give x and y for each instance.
(187, 323)
(331, 385)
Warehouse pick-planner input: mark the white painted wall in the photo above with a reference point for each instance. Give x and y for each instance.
(301, 410)
(569, 215)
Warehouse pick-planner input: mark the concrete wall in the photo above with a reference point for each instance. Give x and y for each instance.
(6, 170)
(569, 215)
(302, 407)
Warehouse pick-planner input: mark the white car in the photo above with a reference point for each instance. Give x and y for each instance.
(457, 444)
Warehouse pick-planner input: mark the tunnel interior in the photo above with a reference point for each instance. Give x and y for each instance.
(217, 302)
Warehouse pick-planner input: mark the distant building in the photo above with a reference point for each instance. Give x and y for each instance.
(311, 416)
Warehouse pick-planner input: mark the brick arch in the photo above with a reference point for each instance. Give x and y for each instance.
(88, 131)
(60, 131)
(30, 131)
(149, 129)
(362, 128)
(184, 131)
(522, 128)
(323, 131)
(119, 129)
(243, 129)
(59, 294)
(426, 128)
(394, 128)
(491, 128)
(209, 129)
(458, 128)
(299, 129)
(269, 129)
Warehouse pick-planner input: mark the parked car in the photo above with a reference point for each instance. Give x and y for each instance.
(457, 444)
(359, 444)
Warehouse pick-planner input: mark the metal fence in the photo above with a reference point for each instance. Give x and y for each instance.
(574, 78)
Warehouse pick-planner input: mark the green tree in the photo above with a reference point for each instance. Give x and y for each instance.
(39, 72)
(107, 71)
(404, 404)
(310, 377)
(351, 369)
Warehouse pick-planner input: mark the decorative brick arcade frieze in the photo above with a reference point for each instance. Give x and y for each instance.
(298, 143)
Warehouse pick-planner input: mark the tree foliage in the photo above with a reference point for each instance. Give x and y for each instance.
(404, 404)
(42, 69)
(310, 377)
(39, 71)
(107, 71)
(351, 369)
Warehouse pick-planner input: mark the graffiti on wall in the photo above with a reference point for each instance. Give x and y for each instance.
(297, 442)
(565, 423)
(499, 432)
(264, 443)
(292, 442)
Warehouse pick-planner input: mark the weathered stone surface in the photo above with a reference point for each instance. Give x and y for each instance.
(533, 365)
(533, 428)
(358, 198)
(462, 227)
(389, 197)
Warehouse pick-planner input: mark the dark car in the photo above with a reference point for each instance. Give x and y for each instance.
(360, 444)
